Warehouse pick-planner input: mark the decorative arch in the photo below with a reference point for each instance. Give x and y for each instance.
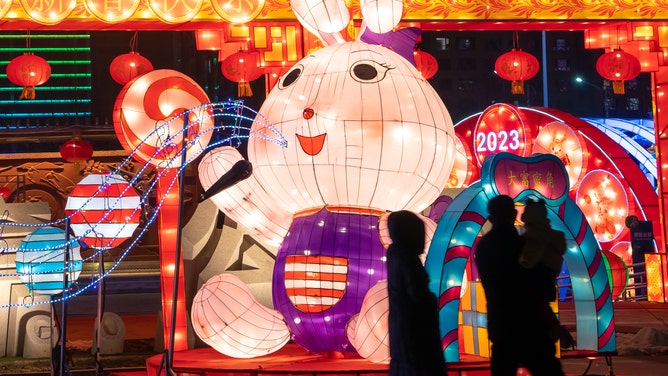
(460, 225)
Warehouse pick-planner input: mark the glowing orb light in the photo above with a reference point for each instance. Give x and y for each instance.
(104, 210)
(40, 261)
(226, 316)
(143, 106)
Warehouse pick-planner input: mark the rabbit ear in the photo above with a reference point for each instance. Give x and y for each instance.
(323, 18)
(382, 16)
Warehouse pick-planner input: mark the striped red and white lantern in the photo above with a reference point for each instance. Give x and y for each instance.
(104, 210)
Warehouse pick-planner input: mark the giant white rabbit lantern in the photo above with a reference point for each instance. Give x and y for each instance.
(366, 135)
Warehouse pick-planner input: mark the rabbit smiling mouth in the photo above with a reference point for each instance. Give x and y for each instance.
(312, 145)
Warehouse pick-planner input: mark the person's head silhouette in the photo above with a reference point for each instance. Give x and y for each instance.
(501, 210)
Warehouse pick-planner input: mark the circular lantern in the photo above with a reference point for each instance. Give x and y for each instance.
(5, 192)
(516, 66)
(425, 63)
(561, 140)
(124, 68)
(618, 66)
(328, 16)
(602, 199)
(618, 273)
(104, 210)
(142, 107)
(76, 150)
(226, 316)
(40, 261)
(28, 70)
(242, 67)
(381, 16)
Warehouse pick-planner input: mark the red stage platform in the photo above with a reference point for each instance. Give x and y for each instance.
(290, 360)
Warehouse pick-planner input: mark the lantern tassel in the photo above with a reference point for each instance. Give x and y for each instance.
(28, 92)
(244, 90)
(618, 86)
(517, 87)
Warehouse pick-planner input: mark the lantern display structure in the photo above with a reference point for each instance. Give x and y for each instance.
(154, 98)
(516, 66)
(43, 258)
(28, 70)
(328, 16)
(242, 67)
(315, 180)
(126, 67)
(618, 66)
(76, 151)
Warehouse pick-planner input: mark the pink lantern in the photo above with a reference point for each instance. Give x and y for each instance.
(104, 210)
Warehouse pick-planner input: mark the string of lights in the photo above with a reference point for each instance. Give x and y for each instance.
(233, 110)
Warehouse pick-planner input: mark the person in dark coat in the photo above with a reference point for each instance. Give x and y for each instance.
(515, 323)
(415, 340)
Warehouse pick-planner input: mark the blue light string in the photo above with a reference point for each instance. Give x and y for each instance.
(263, 133)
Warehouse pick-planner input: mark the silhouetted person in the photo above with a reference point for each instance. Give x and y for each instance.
(415, 341)
(543, 253)
(515, 323)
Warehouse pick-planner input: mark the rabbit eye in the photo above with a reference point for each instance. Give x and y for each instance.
(368, 71)
(290, 77)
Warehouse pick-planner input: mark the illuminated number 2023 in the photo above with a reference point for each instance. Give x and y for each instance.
(499, 141)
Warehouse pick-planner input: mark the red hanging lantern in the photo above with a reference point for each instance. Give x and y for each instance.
(5, 192)
(618, 66)
(76, 151)
(242, 67)
(618, 273)
(425, 63)
(124, 68)
(516, 66)
(28, 70)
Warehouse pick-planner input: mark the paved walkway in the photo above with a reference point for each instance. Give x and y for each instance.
(630, 317)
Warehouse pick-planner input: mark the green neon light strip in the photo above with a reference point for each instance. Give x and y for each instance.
(60, 75)
(45, 36)
(44, 101)
(56, 62)
(48, 88)
(45, 49)
(44, 114)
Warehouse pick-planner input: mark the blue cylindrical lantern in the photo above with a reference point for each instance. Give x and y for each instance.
(40, 261)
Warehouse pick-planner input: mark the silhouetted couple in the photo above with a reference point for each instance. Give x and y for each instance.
(518, 276)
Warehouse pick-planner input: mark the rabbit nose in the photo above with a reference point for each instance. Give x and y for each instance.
(308, 113)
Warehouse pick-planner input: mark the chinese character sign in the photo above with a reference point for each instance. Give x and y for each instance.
(540, 175)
